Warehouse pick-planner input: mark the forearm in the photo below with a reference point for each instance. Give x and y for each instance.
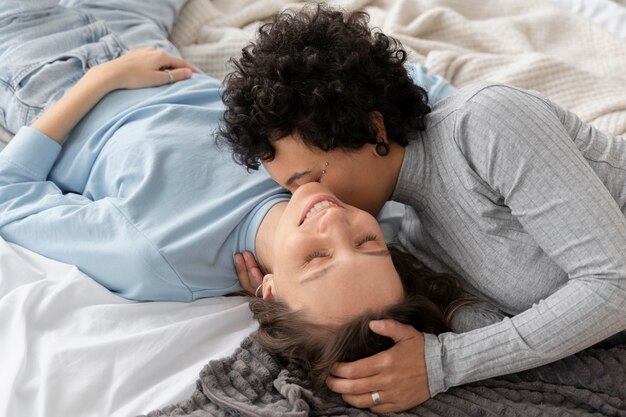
(574, 318)
(141, 68)
(531, 161)
(65, 114)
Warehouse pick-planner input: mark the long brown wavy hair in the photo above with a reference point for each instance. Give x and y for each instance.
(430, 300)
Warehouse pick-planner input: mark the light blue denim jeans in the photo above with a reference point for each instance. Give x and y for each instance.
(46, 46)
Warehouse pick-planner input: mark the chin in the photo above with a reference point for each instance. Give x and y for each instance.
(374, 210)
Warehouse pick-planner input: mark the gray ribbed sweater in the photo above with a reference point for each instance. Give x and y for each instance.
(527, 204)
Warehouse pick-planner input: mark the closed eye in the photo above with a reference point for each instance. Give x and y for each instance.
(316, 254)
(365, 239)
(323, 254)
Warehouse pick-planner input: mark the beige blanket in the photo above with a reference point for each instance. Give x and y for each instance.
(532, 44)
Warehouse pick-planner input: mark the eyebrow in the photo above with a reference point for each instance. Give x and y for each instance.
(295, 177)
(321, 272)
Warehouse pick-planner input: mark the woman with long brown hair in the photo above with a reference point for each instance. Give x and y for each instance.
(430, 303)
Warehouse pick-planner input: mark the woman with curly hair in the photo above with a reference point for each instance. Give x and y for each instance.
(508, 190)
(114, 168)
(119, 172)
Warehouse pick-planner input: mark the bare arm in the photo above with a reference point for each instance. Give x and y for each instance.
(140, 68)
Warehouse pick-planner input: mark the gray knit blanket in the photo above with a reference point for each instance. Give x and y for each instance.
(252, 383)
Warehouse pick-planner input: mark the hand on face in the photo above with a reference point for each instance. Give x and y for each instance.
(397, 374)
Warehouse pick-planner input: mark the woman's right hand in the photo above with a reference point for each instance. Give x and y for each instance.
(142, 68)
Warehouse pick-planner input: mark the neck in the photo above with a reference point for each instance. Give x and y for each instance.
(397, 157)
(265, 237)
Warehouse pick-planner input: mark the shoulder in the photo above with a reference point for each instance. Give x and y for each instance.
(485, 112)
(485, 124)
(491, 97)
(479, 104)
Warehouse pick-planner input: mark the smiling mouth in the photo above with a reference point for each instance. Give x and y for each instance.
(317, 206)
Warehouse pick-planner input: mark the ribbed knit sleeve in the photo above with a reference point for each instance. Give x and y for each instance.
(524, 152)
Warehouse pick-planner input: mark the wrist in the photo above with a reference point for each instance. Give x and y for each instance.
(101, 80)
(60, 118)
(433, 356)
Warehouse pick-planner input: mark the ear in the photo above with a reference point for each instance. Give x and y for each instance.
(379, 124)
(381, 133)
(268, 286)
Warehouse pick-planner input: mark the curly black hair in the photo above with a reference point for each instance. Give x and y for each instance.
(319, 73)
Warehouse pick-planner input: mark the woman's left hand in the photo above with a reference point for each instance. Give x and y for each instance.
(248, 271)
(397, 374)
(142, 68)
(147, 67)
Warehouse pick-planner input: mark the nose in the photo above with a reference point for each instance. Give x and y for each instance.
(340, 229)
(299, 191)
(335, 222)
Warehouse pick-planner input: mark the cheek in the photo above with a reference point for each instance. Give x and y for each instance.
(352, 189)
(368, 192)
(290, 248)
(342, 186)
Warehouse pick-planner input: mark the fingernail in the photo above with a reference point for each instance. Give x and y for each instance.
(377, 324)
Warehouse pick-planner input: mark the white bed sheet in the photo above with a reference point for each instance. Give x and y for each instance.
(71, 348)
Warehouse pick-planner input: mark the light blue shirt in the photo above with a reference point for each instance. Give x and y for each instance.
(139, 196)
(437, 87)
